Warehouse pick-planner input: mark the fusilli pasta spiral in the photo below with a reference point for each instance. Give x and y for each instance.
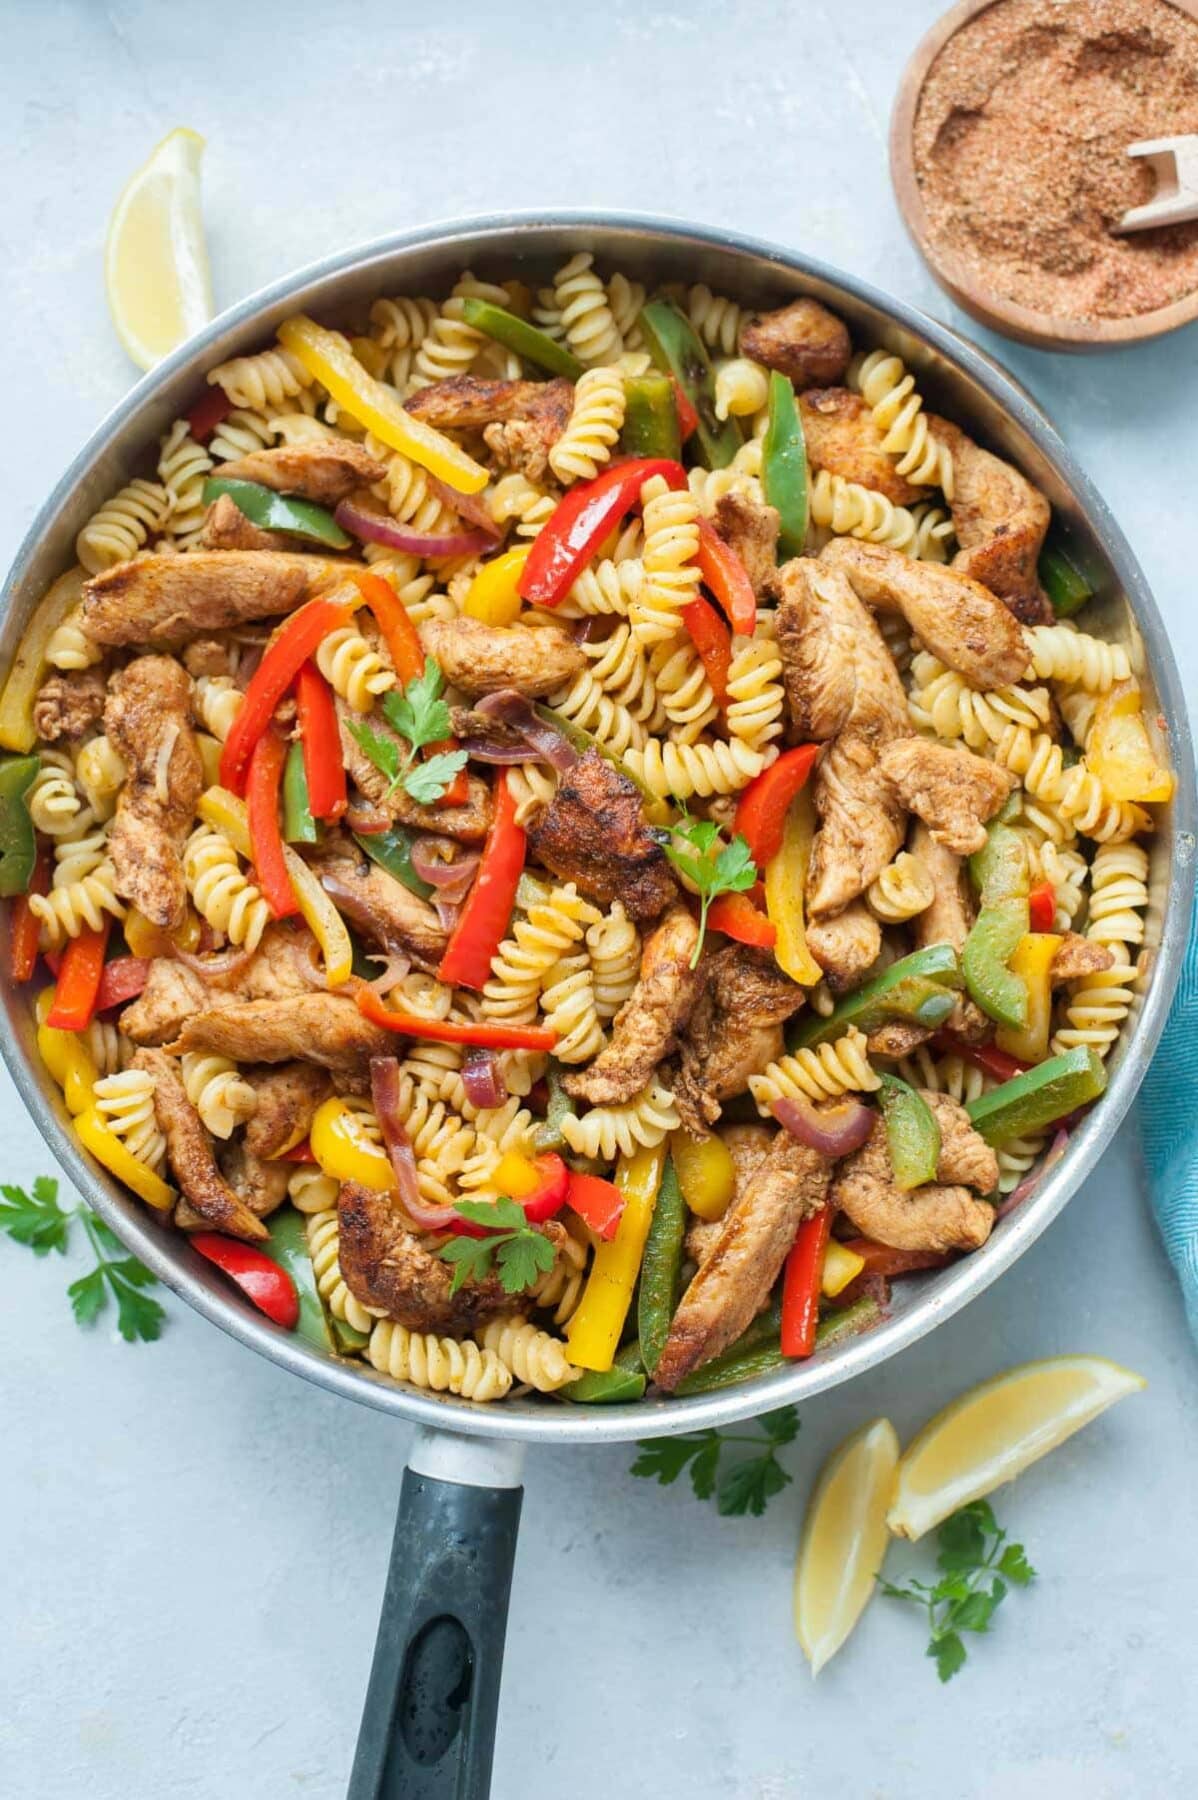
(523, 960)
(568, 1003)
(222, 894)
(324, 1245)
(610, 1131)
(890, 393)
(440, 1364)
(266, 379)
(593, 428)
(841, 1067)
(903, 890)
(685, 769)
(70, 647)
(1062, 653)
(671, 573)
(353, 668)
(755, 697)
(614, 946)
(125, 1102)
(218, 1092)
(535, 1358)
(119, 529)
(741, 387)
(183, 467)
(586, 318)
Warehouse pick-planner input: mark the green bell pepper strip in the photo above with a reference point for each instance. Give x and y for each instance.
(676, 349)
(278, 512)
(582, 741)
(661, 1268)
(762, 1358)
(1001, 994)
(1036, 1099)
(918, 988)
(287, 1243)
(392, 850)
(999, 870)
(526, 340)
(548, 1134)
(912, 1133)
(18, 839)
(299, 827)
(847, 1322)
(650, 418)
(1064, 583)
(625, 1380)
(784, 466)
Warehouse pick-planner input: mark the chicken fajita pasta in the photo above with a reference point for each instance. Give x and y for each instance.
(581, 826)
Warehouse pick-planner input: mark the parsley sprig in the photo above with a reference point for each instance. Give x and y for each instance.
(976, 1564)
(744, 1485)
(728, 869)
(420, 715)
(514, 1248)
(37, 1220)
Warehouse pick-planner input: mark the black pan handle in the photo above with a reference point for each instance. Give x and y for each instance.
(428, 1725)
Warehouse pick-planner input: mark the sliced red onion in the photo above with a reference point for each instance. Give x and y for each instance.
(447, 915)
(832, 1130)
(305, 954)
(367, 820)
(385, 1086)
(395, 967)
(451, 879)
(516, 711)
(372, 528)
(215, 965)
(1032, 1180)
(471, 507)
(483, 1080)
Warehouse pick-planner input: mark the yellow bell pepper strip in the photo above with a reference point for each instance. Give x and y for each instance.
(1119, 750)
(227, 813)
(326, 355)
(593, 1333)
(706, 1173)
(343, 1150)
(108, 1149)
(67, 1057)
(516, 1175)
(144, 938)
(841, 1265)
(785, 887)
(918, 988)
(661, 1269)
(17, 730)
(1032, 962)
(492, 595)
(1039, 1096)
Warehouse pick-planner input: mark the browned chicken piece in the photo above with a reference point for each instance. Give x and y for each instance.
(468, 402)
(817, 622)
(804, 340)
(752, 531)
(261, 1184)
(388, 913)
(385, 1265)
(644, 1030)
(846, 945)
(288, 1097)
(593, 832)
(325, 471)
(227, 528)
(189, 1151)
(168, 600)
(842, 437)
(1000, 520)
(954, 617)
(324, 1028)
(148, 720)
(469, 823)
(480, 659)
(1078, 956)
(173, 992)
(756, 1232)
(748, 1146)
(69, 704)
(896, 1038)
(942, 1215)
(734, 1030)
(953, 791)
(210, 656)
(947, 921)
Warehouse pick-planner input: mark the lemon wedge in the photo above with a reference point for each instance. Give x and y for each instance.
(992, 1433)
(155, 259)
(844, 1540)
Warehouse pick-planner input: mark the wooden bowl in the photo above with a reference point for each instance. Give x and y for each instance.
(1045, 331)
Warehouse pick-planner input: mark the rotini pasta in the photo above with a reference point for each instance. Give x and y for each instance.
(217, 703)
(680, 682)
(441, 1364)
(717, 321)
(353, 668)
(324, 1241)
(841, 1067)
(76, 906)
(671, 573)
(310, 1190)
(524, 959)
(614, 945)
(847, 509)
(183, 467)
(1118, 894)
(889, 391)
(535, 1358)
(610, 1131)
(101, 772)
(218, 1092)
(222, 894)
(687, 769)
(586, 318)
(755, 699)
(125, 1102)
(449, 346)
(70, 647)
(53, 799)
(741, 387)
(902, 891)
(267, 379)
(568, 1001)
(1062, 653)
(119, 529)
(594, 427)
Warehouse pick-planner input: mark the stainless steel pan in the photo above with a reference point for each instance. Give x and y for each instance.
(430, 1712)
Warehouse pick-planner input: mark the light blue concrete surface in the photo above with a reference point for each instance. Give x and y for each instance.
(194, 1543)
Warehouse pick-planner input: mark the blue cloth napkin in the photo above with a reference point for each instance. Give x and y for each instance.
(1169, 1129)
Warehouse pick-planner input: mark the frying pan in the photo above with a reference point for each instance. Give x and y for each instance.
(429, 1719)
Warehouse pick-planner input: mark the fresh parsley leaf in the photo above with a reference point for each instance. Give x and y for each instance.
(746, 1485)
(1014, 1565)
(971, 1588)
(426, 781)
(750, 1485)
(382, 751)
(35, 1220)
(516, 1250)
(730, 870)
(704, 1466)
(501, 1214)
(39, 1222)
(949, 1653)
(87, 1297)
(137, 1316)
(781, 1427)
(419, 713)
(470, 1259)
(663, 1459)
(521, 1258)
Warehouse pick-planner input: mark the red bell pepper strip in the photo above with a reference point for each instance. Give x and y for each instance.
(709, 634)
(24, 930)
(598, 1203)
(269, 1287)
(210, 410)
(301, 1153)
(407, 659)
(488, 906)
(320, 737)
(285, 657)
(989, 1057)
(762, 808)
(122, 979)
(266, 837)
(725, 574)
(688, 418)
(575, 529)
(801, 1284)
(881, 1259)
(552, 1194)
(1042, 906)
(79, 980)
(452, 1031)
(737, 917)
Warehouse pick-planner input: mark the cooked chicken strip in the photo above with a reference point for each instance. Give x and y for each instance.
(389, 913)
(148, 720)
(173, 992)
(288, 1097)
(324, 1028)
(189, 1150)
(70, 704)
(468, 402)
(752, 531)
(326, 471)
(644, 1029)
(168, 599)
(817, 625)
(1000, 520)
(1078, 956)
(953, 791)
(748, 1146)
(384, 1265)
(734, 1030)
(469, 822)
(956, 618)
(756, 1232)
(944, 1214)
(842, 437)
(846, 945)
(593, 832)
(480, 658)
(210, 656)
(261, 1184)
(947, 921)
(803, 339)
(227, 528)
